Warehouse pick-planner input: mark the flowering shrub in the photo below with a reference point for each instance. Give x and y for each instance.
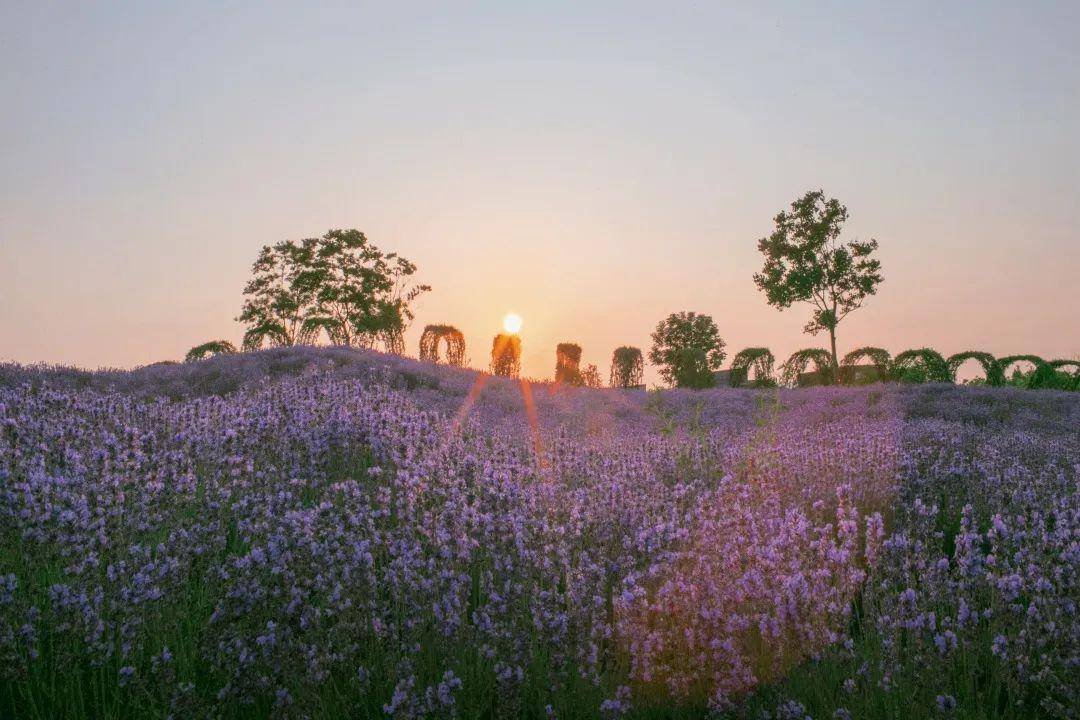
(332, 536)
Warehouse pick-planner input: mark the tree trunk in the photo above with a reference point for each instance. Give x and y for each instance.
(835, 363)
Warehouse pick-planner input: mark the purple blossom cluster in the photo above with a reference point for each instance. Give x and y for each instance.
(345, 541)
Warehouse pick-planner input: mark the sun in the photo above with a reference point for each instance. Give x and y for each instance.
(512, 323)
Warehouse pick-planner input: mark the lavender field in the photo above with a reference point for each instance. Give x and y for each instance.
(338, 534)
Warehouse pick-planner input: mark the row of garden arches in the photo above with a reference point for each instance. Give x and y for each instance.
(755, 367)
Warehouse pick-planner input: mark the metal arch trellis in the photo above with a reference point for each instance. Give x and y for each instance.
(760, 359)
(992, 369)
(433, 335)
(936, 367)
(627, 367)
(796, 365)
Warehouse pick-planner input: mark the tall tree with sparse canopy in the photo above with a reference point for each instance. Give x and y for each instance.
(806, 262)
(687, 349)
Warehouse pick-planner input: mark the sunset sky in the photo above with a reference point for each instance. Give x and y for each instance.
(591, 169)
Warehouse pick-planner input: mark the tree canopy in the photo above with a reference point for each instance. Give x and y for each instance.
(687, 349)
(805, 261)
(339, 284)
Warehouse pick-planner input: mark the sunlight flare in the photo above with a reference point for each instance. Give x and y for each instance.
(512, 323)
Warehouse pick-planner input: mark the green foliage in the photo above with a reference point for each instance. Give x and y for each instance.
(214, 347)
(796, 365)
(1041, 377)
(1065, 379)
(627, 367)
(692, 369)
(921, 365)
(761, 360)
(278, 296)
(688, 349)
(879, 357)
(455, 344)
(991, 368)
(567, 361)
(806, 262)
(339, 284)
(506, 355)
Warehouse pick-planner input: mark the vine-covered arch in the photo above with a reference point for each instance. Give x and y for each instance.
(1042, 377)
(932, 365)
(627, 367)
(506, 355)
(455, 344)
(1060, 365)
(758, 359)
(991, 367)
(568, 363)
(796, 365)
(879, 358)
(214, 347)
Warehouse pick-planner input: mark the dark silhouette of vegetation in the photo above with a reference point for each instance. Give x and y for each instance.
(214, 347)
(921, 365)
(627, 367)
(760, 360)
(806, 262)
(688, 350)
(278, 297)
(991, 368)
(590, 377)
(506, 355)
(796, 365)
(567, 364)
(455, 344)
(339, 284)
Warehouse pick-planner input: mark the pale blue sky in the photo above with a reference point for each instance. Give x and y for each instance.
(592, 168)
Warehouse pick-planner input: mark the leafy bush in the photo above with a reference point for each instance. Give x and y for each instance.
(627, 367)
(688, 349)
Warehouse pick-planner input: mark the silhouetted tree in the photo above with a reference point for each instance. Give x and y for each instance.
(627, 367)
(590, 376)
(806, 262)
(363, 294)
(567, 362)
(340, 284)
(688, 350)
(278, 296)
